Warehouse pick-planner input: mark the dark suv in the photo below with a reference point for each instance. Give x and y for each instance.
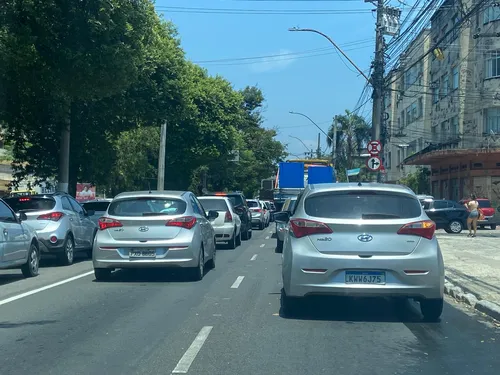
(241, 207)
(448, 215)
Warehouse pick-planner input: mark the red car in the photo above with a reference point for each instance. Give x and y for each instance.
(488, 212)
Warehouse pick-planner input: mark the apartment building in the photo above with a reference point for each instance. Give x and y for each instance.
(463, 149)
(407, 107)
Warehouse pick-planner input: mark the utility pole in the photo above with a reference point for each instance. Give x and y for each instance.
(334, 143)
(161, 157)
(64, 154)
(318, 150)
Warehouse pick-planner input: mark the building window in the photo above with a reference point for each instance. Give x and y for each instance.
(491, 14)
(414, 113)
(408, 116)
(492, 121)
(445, 81)
(493, 64)
(454, 127)
(420, 109)
(435, 92)
(455, 78)
(434, 134)
(444, 129)
(389, 157)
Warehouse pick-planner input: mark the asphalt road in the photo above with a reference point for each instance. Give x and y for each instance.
(229, 323)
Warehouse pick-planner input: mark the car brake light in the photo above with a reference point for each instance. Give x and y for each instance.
(53, 216)
(304, 227)
(229, 217)
(258, 210)
(186, 222)
(24, 199)
(220, 194)
(107, 222)
(425, 228)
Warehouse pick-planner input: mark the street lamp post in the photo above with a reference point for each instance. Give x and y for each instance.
(309, 152)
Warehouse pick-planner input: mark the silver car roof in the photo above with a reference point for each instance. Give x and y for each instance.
(344, 186)
(155, 193)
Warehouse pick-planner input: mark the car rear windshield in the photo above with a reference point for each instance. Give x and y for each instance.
(253, 204)
(96, 206)
(362, 205)
(484, 203)
(149, 206)
(214, 204)
(236, 200)
(26, 204)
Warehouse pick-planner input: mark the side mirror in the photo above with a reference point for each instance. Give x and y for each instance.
(21, 216)
(212, 215)
(283, 216)
(90, 213)
(498, 209)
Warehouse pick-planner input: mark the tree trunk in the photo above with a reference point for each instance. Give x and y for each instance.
(64, 152)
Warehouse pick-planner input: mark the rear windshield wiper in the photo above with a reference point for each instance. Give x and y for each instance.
(380, 216)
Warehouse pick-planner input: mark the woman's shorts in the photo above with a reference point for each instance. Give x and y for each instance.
(474, 214)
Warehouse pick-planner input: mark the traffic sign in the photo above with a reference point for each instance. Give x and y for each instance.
(374, 163)
(374, 147)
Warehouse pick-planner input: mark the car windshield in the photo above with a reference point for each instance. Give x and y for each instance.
(484, 203)
(96, 206)
(253, 204)
(27, 204)
(362, 205)
(213, 204)
(236, 200)
(147, 206)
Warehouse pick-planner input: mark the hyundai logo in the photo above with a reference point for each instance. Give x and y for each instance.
(143, 229)
(365, 237)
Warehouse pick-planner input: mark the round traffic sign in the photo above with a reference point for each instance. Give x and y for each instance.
(374, 163)
(374, 147)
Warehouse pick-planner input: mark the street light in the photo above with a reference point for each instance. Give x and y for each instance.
(300, 140)
(307, 117)
(335, 45)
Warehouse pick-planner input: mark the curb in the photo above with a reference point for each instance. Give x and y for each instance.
(462, 293)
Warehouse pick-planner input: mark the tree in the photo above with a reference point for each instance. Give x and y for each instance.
(353, 134)
(418, 181)
(56, 55)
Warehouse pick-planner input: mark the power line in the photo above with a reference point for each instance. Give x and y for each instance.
(173, 9)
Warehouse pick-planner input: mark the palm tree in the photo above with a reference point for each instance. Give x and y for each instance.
(353, 134)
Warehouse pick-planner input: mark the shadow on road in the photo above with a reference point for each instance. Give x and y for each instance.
(149, 275)
(5, 325)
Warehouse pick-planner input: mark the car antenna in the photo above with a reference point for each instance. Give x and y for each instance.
(359, 183)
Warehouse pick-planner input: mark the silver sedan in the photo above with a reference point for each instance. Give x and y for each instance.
(367, 240)
(155, 229)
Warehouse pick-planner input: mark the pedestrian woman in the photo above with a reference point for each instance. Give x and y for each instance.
(473, 207)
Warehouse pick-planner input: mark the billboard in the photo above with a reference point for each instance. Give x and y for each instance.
(85, 192)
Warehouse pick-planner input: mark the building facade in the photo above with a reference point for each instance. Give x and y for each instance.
(463, 149)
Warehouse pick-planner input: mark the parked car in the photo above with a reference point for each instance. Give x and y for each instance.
(267, 213)
(155, 229)
(281, 226)
(98, 207)
(19, 248)
(490, 219)
(227, 225)
(448, 215)
(241, 207)
(258, 215)
(366, 240)
(272, 209)
(62, 225)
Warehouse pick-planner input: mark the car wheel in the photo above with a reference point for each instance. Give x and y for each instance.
(455, 226)
(493, 226)
(250, 233)
(261, 226)
(211, 262)
(289, 305)
(238, 239)
(232, 243)
(68, 254)
(481, 227)
(199, 272)
(431, 308)
(31, 267)
(102, 274)
(245, 235)
(279, 246)
(91, 250)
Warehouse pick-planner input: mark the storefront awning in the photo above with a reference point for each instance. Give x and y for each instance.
(430, 155)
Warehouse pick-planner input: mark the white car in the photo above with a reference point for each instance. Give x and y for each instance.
(227, 225)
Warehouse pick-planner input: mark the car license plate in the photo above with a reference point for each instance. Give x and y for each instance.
(139, 253)
(365, 277)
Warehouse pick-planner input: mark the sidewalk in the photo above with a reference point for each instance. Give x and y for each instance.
(473, 265)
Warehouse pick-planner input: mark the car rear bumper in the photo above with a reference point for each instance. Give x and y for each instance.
(488, 220)
(299, 282)
(224, 233)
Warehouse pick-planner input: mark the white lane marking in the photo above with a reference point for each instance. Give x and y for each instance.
(189, 356)
(267, 237)
(254, 257)
(34, 291)
(262, 245)
(238, 281)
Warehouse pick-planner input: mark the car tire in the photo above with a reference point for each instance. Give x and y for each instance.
(198, 272)
(250, 233)
(493, 226)
(67, 257)
(289, 305)
(232, 243)
(455, 227)
(246, 235)
(31, 267)
(102, 274)
(279, 246)
(211, 262)
(261, 226)
(238, 239)
(91, 250)
(432, 308)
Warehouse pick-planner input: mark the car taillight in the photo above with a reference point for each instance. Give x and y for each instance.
(229, 217)
(53, 216)
(186, 222)
(302, 227)
(107, 222)
(424, 229)
(258, 210)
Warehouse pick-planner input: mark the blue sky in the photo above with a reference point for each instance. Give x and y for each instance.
(304, 75)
